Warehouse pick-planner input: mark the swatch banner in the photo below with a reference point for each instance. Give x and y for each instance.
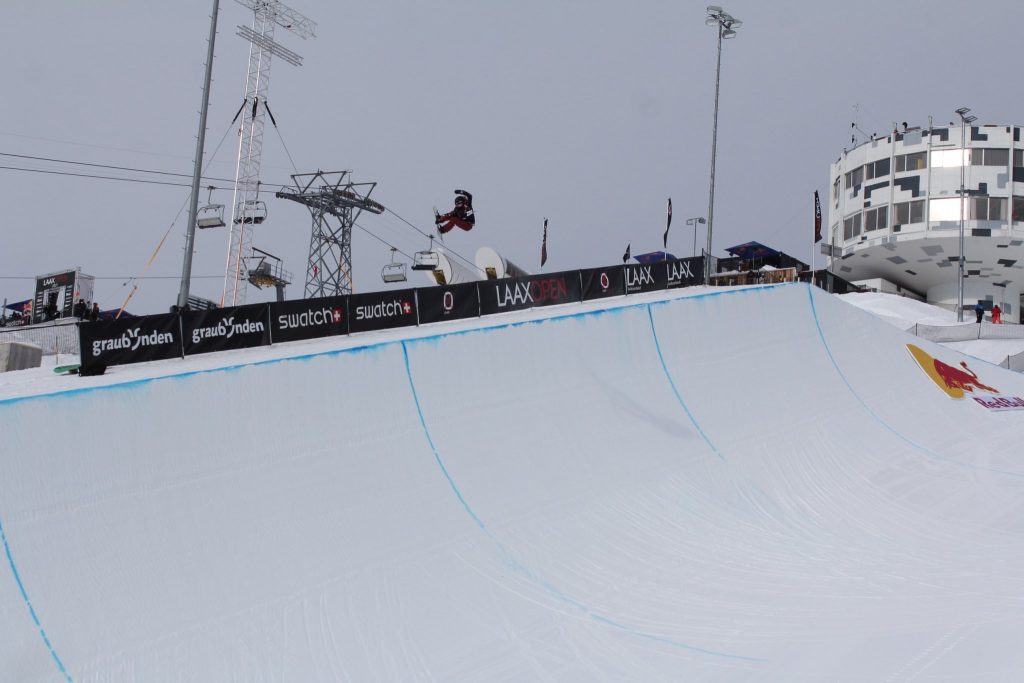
(451, 302)
(381, 310)
(130, 340)
(220, 329)
(601, 282)
(514, 294)
(308, 318)
(649, 278)
(685, 272)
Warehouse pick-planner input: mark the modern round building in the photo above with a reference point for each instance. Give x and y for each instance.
(895, 213)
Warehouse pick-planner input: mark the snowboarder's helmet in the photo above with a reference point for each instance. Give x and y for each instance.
(460, 199)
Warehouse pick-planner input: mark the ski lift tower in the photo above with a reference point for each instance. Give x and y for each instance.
(246, 208)
(330, 196)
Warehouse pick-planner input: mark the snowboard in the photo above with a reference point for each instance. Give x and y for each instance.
(67, 369)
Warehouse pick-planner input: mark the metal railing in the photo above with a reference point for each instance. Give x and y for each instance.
(56, 337)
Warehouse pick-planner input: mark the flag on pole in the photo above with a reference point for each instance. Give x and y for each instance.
(664, 240)
(817, 218)
(625, 257)
(544, 245)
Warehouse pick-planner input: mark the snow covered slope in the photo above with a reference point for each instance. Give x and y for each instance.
(745, 485)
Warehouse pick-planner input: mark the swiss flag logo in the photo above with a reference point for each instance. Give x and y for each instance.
(336, 314)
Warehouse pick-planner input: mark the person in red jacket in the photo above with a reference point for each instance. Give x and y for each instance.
(997, 315)
(461, 216)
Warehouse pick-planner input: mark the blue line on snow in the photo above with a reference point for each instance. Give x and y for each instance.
(31, 610)
(525, 571)
(679, 397)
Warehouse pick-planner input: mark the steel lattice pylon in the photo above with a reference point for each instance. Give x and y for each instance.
(246, 208)
(335, 203)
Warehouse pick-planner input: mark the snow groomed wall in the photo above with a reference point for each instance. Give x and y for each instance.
(159, 337)
(744, 485)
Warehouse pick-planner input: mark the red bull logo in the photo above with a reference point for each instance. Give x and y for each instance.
(956, 382)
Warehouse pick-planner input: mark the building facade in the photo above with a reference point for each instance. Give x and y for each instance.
(895, 212)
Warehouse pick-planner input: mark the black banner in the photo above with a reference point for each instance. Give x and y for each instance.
(452, 302)
(381, 310)
(514, 294)
(685, 272)
(601, 282)
(130, 340)
(308, 318)
(649, 278)
(225, 328)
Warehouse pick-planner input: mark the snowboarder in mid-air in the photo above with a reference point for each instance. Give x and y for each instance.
(461, 216)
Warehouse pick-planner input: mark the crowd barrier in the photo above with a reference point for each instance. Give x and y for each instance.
(967, 332)
(176, 335)
(54, 338)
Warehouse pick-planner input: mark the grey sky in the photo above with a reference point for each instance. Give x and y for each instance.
(589, 113)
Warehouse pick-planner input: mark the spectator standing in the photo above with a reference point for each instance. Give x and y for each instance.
(997, 315)
(79, 310)
(979, 311)
(94, 314)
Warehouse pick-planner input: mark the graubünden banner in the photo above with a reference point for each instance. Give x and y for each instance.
(450, 302)
(514, 294)
(130, 340)
(220, 329)
(308, 318)
(601, 282)
(381, 310)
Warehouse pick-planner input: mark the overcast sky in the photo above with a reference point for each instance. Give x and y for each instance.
(590, 113)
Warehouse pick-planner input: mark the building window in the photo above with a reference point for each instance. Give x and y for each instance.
(911, 162)
(855, 177)
(835, 193)
(851, 227)
(946, 209)
(876, 219)
(876, 169)
(1018, 209)
(950, 158)
(988, 208)
(908, 212)
(990, 157)
(1018, 158)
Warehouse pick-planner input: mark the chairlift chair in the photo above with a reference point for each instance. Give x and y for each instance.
(393, 272)
(253, 211)
(425, 260)
(211, 215)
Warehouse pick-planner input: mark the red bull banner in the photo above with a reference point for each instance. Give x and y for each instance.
(960, 382)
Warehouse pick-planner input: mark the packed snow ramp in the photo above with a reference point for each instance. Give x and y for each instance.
(747, 485)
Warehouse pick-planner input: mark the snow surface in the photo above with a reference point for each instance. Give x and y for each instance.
(742, 484)
(904, 313)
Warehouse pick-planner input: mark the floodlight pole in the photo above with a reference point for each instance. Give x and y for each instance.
(726, 29)
(197, 166)
(694, 221)
(964, 120)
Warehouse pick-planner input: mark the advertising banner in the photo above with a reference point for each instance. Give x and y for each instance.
(452, 302)
(308, 318)
(601, 282)
(381, 310)
(220, 329)
(649, 278)
(514, 294)
(130, 340)
(685, 272)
